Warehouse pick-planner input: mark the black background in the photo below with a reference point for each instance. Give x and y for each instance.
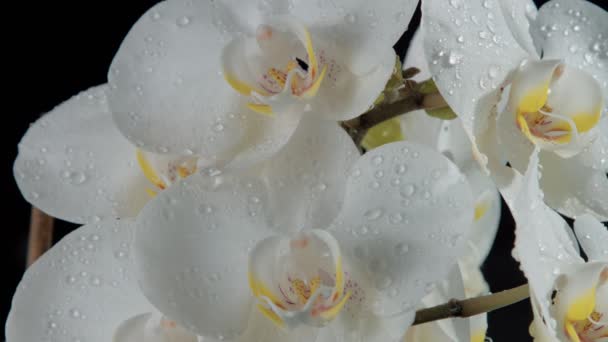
(53, 49)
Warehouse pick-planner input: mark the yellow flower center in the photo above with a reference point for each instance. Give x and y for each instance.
(293, 78)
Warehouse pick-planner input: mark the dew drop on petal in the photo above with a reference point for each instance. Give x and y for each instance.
(183, 21)
(373, 214)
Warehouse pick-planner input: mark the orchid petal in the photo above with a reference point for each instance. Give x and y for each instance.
(81, 289)
(392, 192)
(415, 57)
(345, 95)
(74, 164)
(573, 188)
(542, 242)
(593, 237)
(312, 167)
(518, 14)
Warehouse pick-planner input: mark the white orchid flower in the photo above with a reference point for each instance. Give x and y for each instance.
(569, 296)
(457, 285)
(520, 79)
(84, 289)
(94, 294)
(258, 259)
(75, 165)
(230, 80)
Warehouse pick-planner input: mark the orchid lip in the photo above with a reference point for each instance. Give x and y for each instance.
(556, 106)
(176, 169)
(286, 78)
(301, 289)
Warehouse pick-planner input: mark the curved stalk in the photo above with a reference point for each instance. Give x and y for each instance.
(472, 306)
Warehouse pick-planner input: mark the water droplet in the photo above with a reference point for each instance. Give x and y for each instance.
(484, 35)
(155, 16)
(396, 218)
(364, 230)
(454, 58)
(96, 281)
(183, 21)
(400, 169)
(75, 313)
(218, 127)
(74, 177)
(460, 39)
(377, 160)
(493, 71)
(455, 3)
(408, 190)
(373, 214)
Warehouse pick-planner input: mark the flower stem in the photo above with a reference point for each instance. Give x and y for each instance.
(409, 98)
(472, 306)
(41, 235)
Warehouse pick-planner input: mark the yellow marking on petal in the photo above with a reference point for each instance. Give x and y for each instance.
(523, 126)
(261, 109)
(534, 100)
(572, 332)
(310, 51)
(279, 76)
(478, 336)
(314, 88)
(383, 133)
(335, 310)
(183, 172)
(585, 121)
(260, 290)
(481, 208)
(148, 170)
(582, 307)
(242, 87)
(301, 290)
(271, 315)
(151, 192)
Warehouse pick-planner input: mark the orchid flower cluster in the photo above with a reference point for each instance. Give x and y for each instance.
(231, 187)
